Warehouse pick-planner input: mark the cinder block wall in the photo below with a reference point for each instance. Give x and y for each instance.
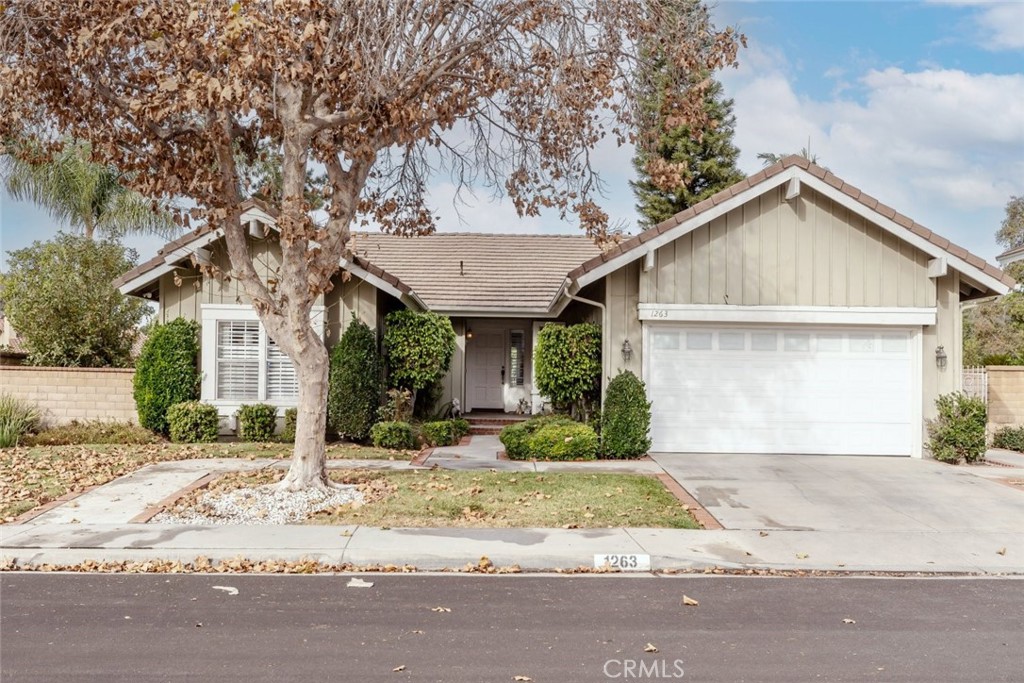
(1005, 396)
(67, 394)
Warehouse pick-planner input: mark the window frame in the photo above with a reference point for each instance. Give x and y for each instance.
(214, 314)
(519, 379)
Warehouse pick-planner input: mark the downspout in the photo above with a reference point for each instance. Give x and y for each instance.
(605, 359)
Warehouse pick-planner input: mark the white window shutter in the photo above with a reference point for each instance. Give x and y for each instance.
(282, 381)
(238, 359)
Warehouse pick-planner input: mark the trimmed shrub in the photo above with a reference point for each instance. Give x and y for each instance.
(17, 418)
(166, 372)
(355, 383)
(460, 428)
(396, 435)
(291, 418)
(515, 437)
(564, 442)
(1010, 438)
(193, 422)
(93, 432)
(257, 422)
(958, 433)
(442, 433)
(626, 421)
(419, 348)
(567, 366)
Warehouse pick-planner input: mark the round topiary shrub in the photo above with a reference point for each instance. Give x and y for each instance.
(574, 441)
(193, 422)
(355, 383)
(419, 348)
(396, 435)
(166, 372)
(567, 366)
(257, 422)
(626, 419)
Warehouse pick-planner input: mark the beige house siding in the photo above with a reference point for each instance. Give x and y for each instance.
(947, 333)
(622, 298)
(453, 383)
(348, 301)
(807, 252)
(67, 394)
(1005, 397)
(180, 301)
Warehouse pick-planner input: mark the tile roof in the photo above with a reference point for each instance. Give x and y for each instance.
(459, 271)
(818, 172)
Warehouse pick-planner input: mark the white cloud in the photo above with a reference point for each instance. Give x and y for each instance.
(943, 146)
(1000, 24)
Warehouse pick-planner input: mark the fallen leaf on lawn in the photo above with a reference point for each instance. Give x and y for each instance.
(802, 556)
(440, 609)
(230, 590)
(526, 679)
(1001, 551)
(399, 668)
(689, 602)
(650, 648)
(359, 583)
(849, 621)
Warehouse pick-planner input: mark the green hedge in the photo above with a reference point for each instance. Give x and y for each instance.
(440, 433)
(1010, 438)
(291, 417)
(419, 347)
(460, 428)
(355, 383)
(626, 418)
(166, 372)
(574, 441)
(396, 435)
(257, 422)
(958, 433)
(567, 366)
(515, 438)
(193, 422)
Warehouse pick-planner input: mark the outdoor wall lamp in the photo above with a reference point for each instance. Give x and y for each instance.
(940, 357)
(627, 351)
(469, 333)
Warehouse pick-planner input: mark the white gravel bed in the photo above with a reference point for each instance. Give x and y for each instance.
(260, 505)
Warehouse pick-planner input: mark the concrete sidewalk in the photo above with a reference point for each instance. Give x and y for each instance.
(98, 526)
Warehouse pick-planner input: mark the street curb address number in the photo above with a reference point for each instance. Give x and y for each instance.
(625, 563)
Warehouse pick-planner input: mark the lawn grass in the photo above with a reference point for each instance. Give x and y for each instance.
(474, 499)
(33, 476)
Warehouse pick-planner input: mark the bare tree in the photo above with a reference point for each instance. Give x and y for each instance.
(510, 94)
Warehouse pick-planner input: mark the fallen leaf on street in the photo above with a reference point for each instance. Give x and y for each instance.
(689, 602)
(650, 648)
(359, 583)
(849, 621)
(1001, 551)
(440, 609)
(762, 533)
(526, 679)
(399, 668)
(802, 556)
(230, 590)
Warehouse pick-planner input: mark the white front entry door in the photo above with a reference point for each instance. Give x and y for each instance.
(782, 389)
(485, 360)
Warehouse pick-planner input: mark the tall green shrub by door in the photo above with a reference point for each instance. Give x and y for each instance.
(166, 372)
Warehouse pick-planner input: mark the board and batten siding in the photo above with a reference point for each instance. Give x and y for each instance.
(806, 252)
(622, 298)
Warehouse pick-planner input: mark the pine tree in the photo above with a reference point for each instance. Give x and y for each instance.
(689, 166)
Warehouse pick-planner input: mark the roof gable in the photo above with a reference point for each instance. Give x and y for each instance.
(800, 170)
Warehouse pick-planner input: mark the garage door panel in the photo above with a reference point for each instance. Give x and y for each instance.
(819, 391)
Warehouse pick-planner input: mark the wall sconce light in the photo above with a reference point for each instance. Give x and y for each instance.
(627, 351)
(469, 333)
(940, 357)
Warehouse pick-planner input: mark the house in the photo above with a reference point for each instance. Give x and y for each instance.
(789, 313)
(1010, 256)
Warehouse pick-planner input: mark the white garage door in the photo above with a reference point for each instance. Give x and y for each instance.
(781, 390)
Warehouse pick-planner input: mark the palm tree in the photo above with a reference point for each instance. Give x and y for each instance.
(770, 158)
(88, 196)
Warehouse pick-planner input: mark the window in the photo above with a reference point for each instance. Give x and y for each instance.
(698, 341)
(241, 363)
(732, 341)
(796, 342)
(517, 360)
(763, 341)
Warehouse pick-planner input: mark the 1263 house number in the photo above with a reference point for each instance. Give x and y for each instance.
(659, 313)
(625, 563)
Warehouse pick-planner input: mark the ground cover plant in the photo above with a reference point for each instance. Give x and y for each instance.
(444, 498)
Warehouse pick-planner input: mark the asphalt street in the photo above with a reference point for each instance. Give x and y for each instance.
(474, 629)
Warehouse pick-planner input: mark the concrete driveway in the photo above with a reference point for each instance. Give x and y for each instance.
(848, 493)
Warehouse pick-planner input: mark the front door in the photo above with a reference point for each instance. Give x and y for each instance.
(485, 365)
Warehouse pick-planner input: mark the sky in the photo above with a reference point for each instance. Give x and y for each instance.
(920, 104)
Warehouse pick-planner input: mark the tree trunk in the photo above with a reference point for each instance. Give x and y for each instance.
(309, 460)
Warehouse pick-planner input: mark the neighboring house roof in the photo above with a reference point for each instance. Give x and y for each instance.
(1011, 256)
(819, 179)
(462, 272)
